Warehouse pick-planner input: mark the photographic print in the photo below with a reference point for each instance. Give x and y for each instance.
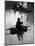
(19, 22)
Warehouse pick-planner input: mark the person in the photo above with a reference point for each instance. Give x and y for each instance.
(18, 24)
(19, 30)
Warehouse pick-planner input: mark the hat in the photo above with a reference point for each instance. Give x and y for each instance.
(16, 6)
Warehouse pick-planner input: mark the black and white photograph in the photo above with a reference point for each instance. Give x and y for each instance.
(19, 23)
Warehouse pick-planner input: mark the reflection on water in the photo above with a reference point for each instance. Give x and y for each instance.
(27, 37)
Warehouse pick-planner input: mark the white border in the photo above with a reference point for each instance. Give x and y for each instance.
(2, 34)
(1, 22)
